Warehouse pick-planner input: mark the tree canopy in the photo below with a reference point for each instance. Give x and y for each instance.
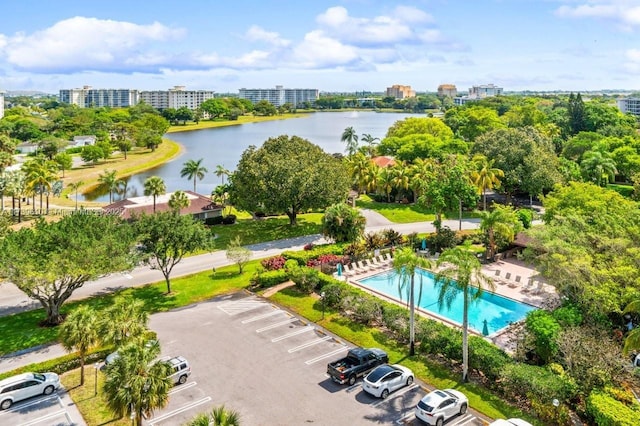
(288, 175)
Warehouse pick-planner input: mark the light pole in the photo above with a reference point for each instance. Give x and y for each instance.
(133, 414)
(95, 379)
(322, 297)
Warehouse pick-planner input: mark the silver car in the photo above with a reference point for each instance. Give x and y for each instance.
(440, 405)
(26, 385)
(386, 378)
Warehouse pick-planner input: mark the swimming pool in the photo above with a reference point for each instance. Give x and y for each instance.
(497, 310)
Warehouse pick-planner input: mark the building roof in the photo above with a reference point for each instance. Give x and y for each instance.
(522, 240)
(129, 207)
(384, 161)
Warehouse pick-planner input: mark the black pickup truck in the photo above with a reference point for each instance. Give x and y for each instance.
(357, 363)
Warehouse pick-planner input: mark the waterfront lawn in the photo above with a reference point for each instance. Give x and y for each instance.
(243, 119)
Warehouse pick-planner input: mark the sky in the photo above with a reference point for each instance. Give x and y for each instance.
(333, 46)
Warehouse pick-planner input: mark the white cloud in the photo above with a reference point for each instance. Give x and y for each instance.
(633, 60)
(258, 34)
(626, 13)
(82, 43)
(317, 50)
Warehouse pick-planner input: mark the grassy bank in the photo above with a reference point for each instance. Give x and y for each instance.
(208, 124)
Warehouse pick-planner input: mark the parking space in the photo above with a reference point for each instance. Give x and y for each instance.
(49, 410)
(270, 366)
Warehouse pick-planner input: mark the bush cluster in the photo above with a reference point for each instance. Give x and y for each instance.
(273, 263)
(328, 259)
(302, 257)
(606, 410)
(62, 364)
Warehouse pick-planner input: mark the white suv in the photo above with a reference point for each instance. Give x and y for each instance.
(25, 386)
(180, 369)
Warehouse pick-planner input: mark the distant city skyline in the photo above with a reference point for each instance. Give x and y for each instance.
(333, 46)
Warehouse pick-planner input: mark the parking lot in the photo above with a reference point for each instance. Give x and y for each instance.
(270, 366)
(51, 410)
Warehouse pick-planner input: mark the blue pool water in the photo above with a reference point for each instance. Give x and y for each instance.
(497, 310)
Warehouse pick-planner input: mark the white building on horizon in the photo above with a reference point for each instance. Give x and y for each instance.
(629, 106)
(477, 93)
(88, 97)
(1, 104)
(177, 97)
(280, 96)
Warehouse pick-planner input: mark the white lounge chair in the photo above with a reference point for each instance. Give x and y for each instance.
(528, 286)
(516, 282)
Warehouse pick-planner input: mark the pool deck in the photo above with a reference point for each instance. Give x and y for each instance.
(537, 293)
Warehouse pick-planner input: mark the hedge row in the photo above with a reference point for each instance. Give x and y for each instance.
(60, 365)
(302, 257)
(608, 411)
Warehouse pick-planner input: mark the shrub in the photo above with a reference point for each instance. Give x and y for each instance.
(333, 293)
(373, 241)
(342, 223)
(544, 330)
(62, 364)
(396, 320)
(443, 239)
(216, 220)
(229, 219)
(355, 251)
(568, 315)
(525, 216)
(328, 259)
(392, 237)
(306, 279)
(608, 411)
(302, 257)
(273, 263)
(308, 246)
(270, 278)
(487, 357)
(536, 383)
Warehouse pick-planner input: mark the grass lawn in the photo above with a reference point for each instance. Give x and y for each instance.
(253, 231)
(207, 124)
(431, 373)
(93, 407)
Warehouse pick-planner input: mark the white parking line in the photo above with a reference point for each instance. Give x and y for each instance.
(19, 407)
(47, 417)
(182, 409)
(321, 357)
(394, 395)
(240, 306)
(177, 389)
(293, 333)
(259, 317)
(311, 343)
(278, 324)
(402, 419)
(464, 420)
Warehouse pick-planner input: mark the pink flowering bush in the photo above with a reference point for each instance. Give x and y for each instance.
(273, 263)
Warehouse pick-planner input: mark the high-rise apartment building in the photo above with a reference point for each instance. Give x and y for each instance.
(629, 106)
(399, 91)
(1, 104)
(449, 90)
(478, 92)
(280, 96)
(89, 97)
(177, 97)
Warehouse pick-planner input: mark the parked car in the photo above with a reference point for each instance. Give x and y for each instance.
(357, 363)
(386, 378)
(180, 367)
(26, 385)
(440, 405)
(510, 422)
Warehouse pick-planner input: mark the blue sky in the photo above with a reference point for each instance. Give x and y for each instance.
(347, 45)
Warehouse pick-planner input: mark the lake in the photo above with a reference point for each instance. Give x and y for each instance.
(225, 145)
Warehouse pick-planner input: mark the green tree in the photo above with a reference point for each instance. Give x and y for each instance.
(264, 108)
(51, 260)
(385, 181)
(371, 143)
(193, 169)
(598, 168)
(358, 166)
(40, 174)
(575, 111)
(154, 186)
(123, 322)
(179, 201)
(110, 181)
(79, 332)
(342, 223)
(632, 341)
(74, 186)
(64, 161)
(405, 263)
(350, 138)
(165, 238)
(91, 154)
(420, 126)
(215, 108)
(219, 416)
(290, 175)
(500, 224)
(136, 384)
(221, 172)
(238, 254)
(184, 114)
(460, 271)
(485, 176)
(7, 148)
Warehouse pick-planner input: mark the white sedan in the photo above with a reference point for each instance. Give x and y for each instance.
(386, 378)
(440, 405)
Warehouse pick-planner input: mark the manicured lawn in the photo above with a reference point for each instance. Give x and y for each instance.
(358, 334)
(93, 407)
(405, 213)
(208, 124)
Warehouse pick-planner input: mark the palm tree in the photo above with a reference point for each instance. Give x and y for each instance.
(598, 167)
(219, 416)
(461, 271)
(421, 172)
(135, 384)
(108, 179)
(358, 165)
(371, 143)
(16, 187)
(80, 332)
(124, 322)
(485, 176)
(385, 181)
(154, 186)
(400, 177)
(74, 186)
(405, 263)
(193, 169)
(179, 201)
(221, 172)
(632, 341)
(3, 189)
(351, 138)
(501, 221)
(40, 178)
